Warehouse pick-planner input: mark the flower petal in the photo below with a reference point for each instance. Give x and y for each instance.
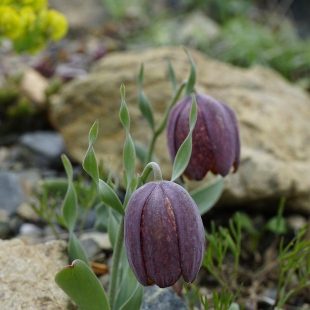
(160, 246)
(190, 229)
(132, 231)
(221, 132)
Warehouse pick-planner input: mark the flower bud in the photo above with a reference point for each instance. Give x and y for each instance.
(164, 234)
(215, 138)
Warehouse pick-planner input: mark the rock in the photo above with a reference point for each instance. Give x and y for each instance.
(11, 192)
(41, 149)
(156, 298)
(101, 239)
(34, 86)
(27, 275)
(30, 229)
(273, 115)
(26, 212)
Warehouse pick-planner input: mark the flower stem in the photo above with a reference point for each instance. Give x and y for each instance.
(163, 122)
(152, 166)
(115, 264)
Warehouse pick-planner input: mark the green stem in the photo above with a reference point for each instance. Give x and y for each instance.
(152, 166)
(163, 123)
(115, 264)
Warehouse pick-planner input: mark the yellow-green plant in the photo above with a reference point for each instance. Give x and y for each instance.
(30, 24)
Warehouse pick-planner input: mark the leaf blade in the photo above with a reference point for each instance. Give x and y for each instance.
(206, 196)
(82, 286)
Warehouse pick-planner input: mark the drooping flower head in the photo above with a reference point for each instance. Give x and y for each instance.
(216, 145)
(164, 234)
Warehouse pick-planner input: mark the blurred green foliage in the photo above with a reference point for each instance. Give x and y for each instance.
(244, 42)
(30, 24)
(241, 32)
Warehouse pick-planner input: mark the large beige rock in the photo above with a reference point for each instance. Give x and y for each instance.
(27, 276)
(273, 115)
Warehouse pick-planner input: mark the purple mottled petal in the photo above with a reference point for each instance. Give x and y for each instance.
(190, 229)
(221, 132)
(132, 231)
(236, 136)
(201, 160)
(160, 247)
(171, 126)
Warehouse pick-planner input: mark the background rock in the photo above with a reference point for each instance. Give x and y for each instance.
(27, 276)
(41, 148)
(161, 299)
(11, 192)
(273, 115)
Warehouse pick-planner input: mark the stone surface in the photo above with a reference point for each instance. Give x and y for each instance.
(156, 298)
(36, 94)
(100, 238)
(11, 192)
(41, 148)
(27, 276)
(273, 115)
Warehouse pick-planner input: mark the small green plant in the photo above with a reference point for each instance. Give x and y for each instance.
(119, 9)
(294, 261)
(125, 291)
(29, 24)
(219, 242)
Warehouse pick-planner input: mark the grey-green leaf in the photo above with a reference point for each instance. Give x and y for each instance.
(172, 78)
(109, 197)
(206, 196)
(140, 77)
(129, 158)
(127, 288)
(90, 162)
(184, 153)
(123, 112)
(146, 109)
(76, 250)
(190, 86)
(69, 207)
(113, 226)
(135, 300)
(82, 286)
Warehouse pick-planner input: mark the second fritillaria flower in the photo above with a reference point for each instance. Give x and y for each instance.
(216, 145)
(164, 234)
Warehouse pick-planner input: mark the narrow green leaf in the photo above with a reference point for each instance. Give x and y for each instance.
(141, 151)
(172, 77)
(135, 301)
(184, 153)
(190, 86)
(69, 206)
(102, 216)
(146, 109)
(245, 222)
(90, 162)
(129, 158)
(109, 197)
(113, 225)
(127, 287)
(76, 250)
(82, 286)
(277, 225)
(141, 76)
(206, 196)
(55, 186)
(123, 113)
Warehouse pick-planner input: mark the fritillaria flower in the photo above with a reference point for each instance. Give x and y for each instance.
(216, 145)
(164, 234)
